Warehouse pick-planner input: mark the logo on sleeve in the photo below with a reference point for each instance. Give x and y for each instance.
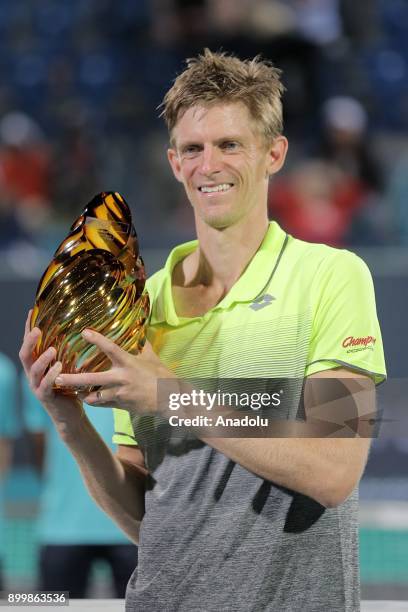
(358, 344)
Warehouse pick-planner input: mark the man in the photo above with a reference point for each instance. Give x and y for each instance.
(8, 429)
(72, 531)
(230, 523)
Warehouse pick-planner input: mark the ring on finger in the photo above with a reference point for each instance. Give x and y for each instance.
(99, 395)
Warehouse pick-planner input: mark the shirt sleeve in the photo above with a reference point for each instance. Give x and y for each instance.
(35, 416)
(9, 422)
(346, 331)
(124, 433)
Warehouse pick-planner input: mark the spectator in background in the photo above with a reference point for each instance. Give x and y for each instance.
(8, 431)
(24, 168)
(345, 142)
(73, 532)
(314, 202)
(335, 196)
(24, 192)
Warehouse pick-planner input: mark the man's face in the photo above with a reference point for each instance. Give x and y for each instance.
(223, 162)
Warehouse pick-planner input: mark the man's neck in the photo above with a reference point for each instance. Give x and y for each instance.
(222, 255)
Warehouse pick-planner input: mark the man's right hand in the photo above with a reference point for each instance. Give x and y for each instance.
(66, 412)
(117, 484)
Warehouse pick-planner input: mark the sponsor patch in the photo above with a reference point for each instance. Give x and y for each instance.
(358, 344)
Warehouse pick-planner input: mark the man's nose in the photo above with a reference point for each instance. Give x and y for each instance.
(210, 160)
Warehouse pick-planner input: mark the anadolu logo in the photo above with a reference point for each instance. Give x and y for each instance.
(358, 343)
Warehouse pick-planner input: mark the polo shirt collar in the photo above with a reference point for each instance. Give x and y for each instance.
(249, 285)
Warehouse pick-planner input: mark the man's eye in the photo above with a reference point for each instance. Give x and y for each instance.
(190, 150)
(229, 145)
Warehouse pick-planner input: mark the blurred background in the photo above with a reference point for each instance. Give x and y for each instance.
(81, 83)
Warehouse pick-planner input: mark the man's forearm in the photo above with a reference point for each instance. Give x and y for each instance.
(316, 456)
(309, 466)
(116, 485)
(289, 453)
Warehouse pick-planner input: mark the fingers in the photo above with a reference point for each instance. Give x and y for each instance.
(108, 399)
(88, 379)
(28, 323)
(35, 369)
(117, 355)
(40, 365)
(27, 348)
(48, 381)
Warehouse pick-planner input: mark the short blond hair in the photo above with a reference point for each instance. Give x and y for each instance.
(217, 77)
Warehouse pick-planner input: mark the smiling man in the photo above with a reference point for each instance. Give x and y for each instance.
(232, 523)
(224, 162)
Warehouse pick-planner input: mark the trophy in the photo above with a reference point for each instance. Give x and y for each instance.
(95, 280)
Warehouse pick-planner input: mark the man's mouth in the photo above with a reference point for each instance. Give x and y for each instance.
(215, 188)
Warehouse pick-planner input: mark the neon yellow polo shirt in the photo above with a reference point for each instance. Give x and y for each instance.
(297, 309)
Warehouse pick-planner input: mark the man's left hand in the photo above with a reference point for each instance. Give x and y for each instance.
(131, 382)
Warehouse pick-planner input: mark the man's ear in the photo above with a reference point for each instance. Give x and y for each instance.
(174, 162)
(277, 154)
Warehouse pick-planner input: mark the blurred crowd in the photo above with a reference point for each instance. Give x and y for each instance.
(82, 81)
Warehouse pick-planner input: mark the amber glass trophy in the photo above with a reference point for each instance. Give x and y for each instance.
(95, 280)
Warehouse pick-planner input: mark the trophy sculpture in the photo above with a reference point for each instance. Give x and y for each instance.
(95, 280)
